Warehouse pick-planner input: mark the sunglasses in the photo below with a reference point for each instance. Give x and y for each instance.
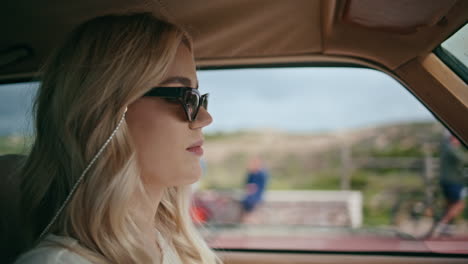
(190, 98)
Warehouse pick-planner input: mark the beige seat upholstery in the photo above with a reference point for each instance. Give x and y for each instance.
(10, 193)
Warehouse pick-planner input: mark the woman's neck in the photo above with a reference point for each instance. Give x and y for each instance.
(146, 207)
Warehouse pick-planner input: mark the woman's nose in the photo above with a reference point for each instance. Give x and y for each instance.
(203, 119)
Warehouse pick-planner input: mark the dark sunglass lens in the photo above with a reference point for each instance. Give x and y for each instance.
(204, 102)
(192, 104)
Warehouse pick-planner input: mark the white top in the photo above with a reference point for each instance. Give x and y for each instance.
(45, 253)
(48, 254)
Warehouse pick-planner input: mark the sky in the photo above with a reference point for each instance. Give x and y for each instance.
(307, 99)
(290, 99)
(457, 44)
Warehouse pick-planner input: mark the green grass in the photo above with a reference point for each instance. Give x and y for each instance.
(13, 145)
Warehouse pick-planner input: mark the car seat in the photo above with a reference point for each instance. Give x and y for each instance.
(10, 196)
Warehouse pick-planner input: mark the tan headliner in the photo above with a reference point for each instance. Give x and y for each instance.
(249, 29)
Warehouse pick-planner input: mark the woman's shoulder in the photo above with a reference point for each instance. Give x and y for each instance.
(52, 253)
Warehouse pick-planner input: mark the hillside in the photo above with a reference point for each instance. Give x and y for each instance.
(298, 160)
(317, 162)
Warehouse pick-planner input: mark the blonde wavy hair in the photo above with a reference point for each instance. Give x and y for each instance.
(105, 64)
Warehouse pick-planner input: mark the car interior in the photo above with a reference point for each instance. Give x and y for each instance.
(400, 38)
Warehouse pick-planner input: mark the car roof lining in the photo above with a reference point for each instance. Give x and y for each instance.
(250, 29)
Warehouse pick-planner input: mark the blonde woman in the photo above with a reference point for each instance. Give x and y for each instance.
(119, 123)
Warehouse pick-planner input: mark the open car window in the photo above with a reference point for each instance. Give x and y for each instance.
(16, 117)
(314, 159)
(349, 161)
(454, 52)
(457, 45)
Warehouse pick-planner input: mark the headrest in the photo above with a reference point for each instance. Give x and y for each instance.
(10, 195)
(9, 183)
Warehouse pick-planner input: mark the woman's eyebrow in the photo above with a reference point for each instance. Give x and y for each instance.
(179, 79)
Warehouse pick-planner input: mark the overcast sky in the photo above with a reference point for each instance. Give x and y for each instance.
(307, 99)
(292, 99)
(457, 44)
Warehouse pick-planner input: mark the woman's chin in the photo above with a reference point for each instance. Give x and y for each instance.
(194, 178)
(189, 175)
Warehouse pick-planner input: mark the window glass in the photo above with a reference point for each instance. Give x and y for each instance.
(15, 117)
(457, 45)
(340, 159)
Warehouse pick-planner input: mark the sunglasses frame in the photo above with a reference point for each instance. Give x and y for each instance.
(181, 94)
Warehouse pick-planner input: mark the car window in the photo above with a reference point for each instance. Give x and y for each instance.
(454, 52)
(15, 117)
(340, 159)
(328, 159)
(457, 45)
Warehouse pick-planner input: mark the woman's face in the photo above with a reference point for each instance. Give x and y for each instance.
(163, 137)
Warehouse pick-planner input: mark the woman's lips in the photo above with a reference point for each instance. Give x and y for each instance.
(197, 150)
